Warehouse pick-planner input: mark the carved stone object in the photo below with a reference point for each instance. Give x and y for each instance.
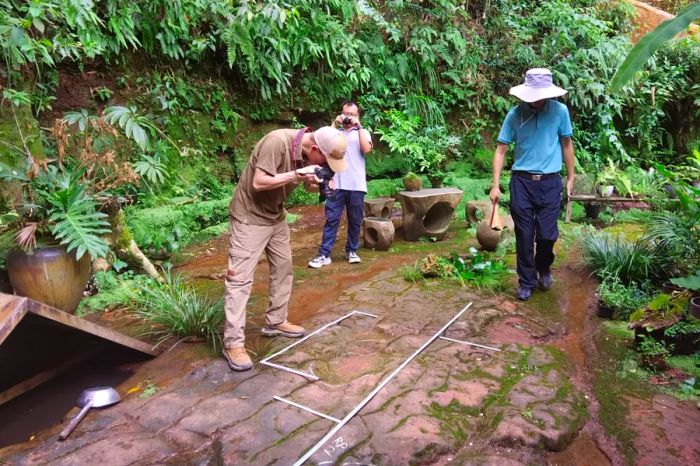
(471, 209)
(379, 207)
(427, 212)
(379, 233)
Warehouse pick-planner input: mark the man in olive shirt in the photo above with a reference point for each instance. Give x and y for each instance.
(257, 222)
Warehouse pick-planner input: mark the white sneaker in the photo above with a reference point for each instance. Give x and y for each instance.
(353, 258)
(319, 261)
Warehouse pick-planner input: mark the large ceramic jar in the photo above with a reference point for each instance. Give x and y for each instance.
(50, 275)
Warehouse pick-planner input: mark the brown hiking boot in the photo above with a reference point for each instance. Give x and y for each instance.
(286, 329)
(238, 359)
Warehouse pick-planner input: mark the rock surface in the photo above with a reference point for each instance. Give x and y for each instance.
(452, 399)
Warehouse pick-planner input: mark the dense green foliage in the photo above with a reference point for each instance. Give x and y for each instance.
(444, 62)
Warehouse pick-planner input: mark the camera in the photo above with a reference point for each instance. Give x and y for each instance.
(347, 121)
(325, 174)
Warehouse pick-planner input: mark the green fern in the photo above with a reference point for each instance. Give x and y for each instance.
(135, 126)
(75, 221)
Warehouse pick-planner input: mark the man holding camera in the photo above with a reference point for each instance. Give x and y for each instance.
(350, 188)
(257, 222)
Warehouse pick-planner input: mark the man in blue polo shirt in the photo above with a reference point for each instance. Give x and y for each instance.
(540, 127)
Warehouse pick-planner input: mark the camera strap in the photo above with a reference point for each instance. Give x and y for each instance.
(297, 159)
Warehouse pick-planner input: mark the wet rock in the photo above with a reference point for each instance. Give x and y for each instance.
(467, 393)
(539, 357)
(209, 454)
(164, 410)
(429, 454)
(540, 412)
(471, 459)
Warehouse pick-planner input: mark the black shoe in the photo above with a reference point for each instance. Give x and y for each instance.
(523, 294)
(545, 281)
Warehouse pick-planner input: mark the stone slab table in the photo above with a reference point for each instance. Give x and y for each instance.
(427, 212)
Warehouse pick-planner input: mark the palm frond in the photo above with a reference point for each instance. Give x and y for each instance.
(26, 237)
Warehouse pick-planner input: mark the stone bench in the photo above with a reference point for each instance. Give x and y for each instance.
(593, 198)
(427, 212)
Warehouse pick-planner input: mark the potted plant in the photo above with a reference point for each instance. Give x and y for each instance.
(692, 283)
(611, 178)
(60, 215)
(412, 182)
(654, 353)
(615, 299)
(55, 231)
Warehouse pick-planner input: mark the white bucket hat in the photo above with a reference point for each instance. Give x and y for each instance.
(537, 86)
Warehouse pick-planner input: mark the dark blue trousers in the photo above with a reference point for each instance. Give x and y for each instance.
(535, 207)
(335, 204)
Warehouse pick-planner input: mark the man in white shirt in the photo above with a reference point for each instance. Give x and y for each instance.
(350, 188)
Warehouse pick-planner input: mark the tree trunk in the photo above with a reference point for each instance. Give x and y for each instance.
(126, 248)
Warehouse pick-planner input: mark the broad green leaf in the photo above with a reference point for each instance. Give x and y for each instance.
(651, 41)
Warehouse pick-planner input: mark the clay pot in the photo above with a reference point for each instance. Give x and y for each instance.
(488, 238)
(606, 191)
(604, 310)
(435, 181)
(49, 275)
(592, 209)
(412, 184)
(694, 307)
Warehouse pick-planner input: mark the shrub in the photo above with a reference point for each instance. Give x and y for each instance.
(380, 165)
(300, 196)
(636, 261)
(634, 216)
(622, 299)
(383, 188)
(174, 309)
(678, 236)
(114, 290)
(173, 226)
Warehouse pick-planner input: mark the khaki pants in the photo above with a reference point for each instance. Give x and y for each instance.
(247, 244)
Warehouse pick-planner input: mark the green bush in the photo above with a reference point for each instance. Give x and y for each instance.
(301, 196)
(622, 299)
(174, 309)
(208, 233)
(637, 261)
(114, 290)
(383, 188)
(175, 225)
(634, 216)
(381, 165)
(156, 227)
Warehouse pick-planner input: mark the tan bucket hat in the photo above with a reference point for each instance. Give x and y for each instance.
(332, 144)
